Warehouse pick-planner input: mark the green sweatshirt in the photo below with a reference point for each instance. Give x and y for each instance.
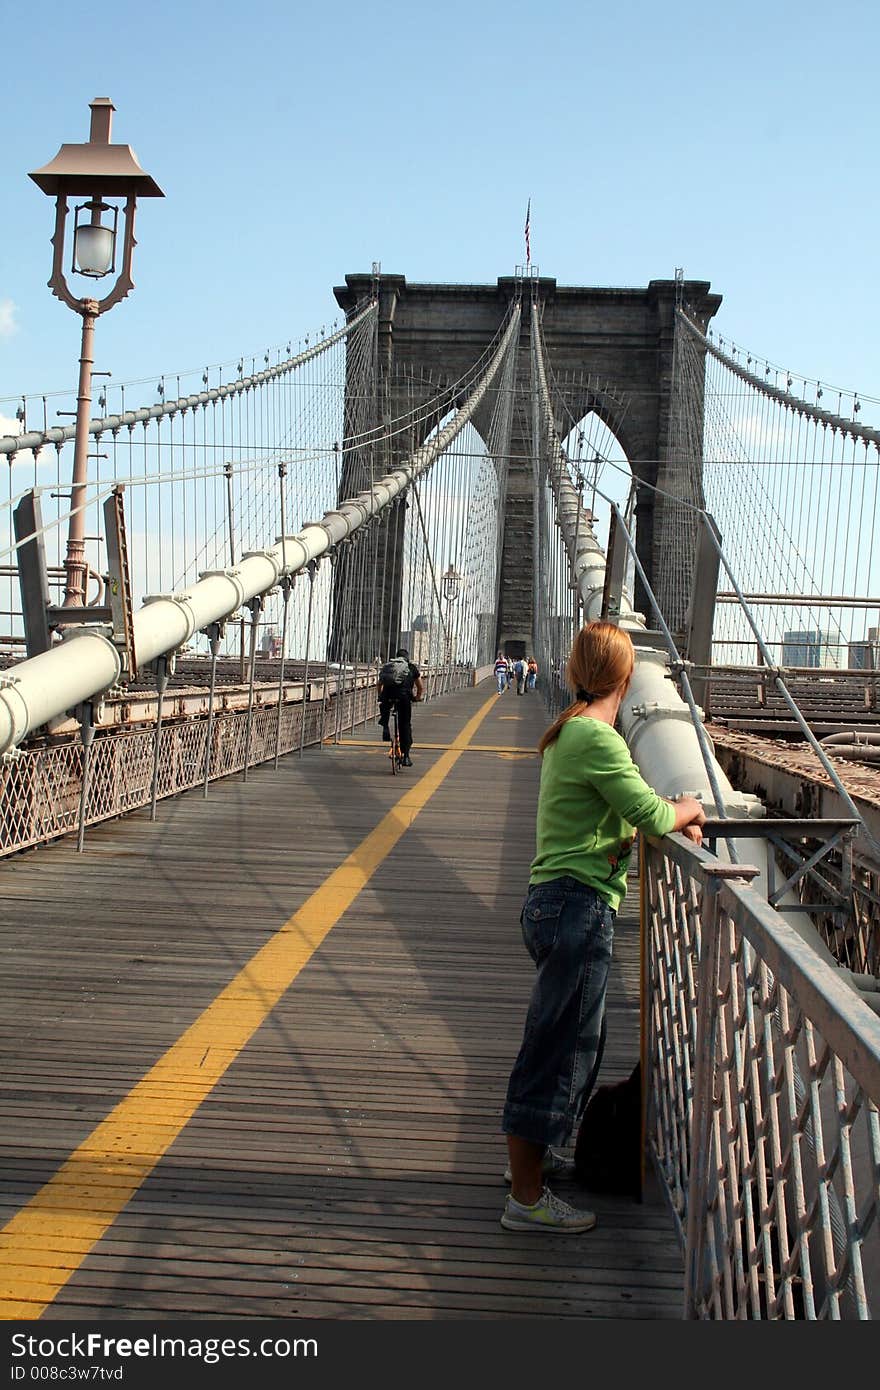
(591, 797)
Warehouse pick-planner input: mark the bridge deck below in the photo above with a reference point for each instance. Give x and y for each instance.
(341, 1157)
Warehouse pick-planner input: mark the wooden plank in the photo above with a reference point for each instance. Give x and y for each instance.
(349, 1161)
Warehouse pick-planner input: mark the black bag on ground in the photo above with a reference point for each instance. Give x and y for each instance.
(607, 1153)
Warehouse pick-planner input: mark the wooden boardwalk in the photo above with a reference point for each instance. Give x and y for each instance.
(337, 1153)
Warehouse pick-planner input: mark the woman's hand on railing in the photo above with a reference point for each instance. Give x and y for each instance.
(689, 816)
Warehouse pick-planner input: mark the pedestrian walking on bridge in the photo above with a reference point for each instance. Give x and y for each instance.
(501, 672)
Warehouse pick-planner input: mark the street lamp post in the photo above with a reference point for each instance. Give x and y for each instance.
(450, 588)
(98, 171)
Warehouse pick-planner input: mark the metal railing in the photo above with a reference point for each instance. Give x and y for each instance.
(41, 787)
(763, 1087)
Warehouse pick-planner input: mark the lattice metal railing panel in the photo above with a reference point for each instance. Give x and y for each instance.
(673, 926)
(764, 1087)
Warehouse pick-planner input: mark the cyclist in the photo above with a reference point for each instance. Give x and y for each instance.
(400, 685)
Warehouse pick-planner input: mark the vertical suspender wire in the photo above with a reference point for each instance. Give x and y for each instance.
(214, 634)
(805, 429)
(285, 591)
(168, 582)
(256, 607)
(158, 490)
(385, 652)
(364, 647)
(375, 650)
(466, 643)
(209, 486)
(818, 529)
(354, 565)
(227, 470)
(462, 603)
(397, 506)
(184, 471)
(448, 554)
(87, 730)
(837, 471)
(355, 644)
(146, 588)
(850, 574)
(346, 555)
(438, 549)
(330, 616)
(161, 683)
(354, 627)
(779, 416)
(455, 554)
(344, 580)
(312, 570)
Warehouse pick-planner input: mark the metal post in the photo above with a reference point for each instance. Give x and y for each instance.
(574, 549)
(256, 607)
(227, 469)
(214, 634)
(353, 694)
(330, 610)
(161, 666)
(286, 588)
(74, 563)
(340, 691)
(313, 568)
(87, 731)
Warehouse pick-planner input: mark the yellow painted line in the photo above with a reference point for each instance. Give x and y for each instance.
(83, 1199)
(434, 747)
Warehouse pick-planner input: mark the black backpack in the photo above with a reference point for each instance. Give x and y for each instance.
(607, 1152)
(395, 672)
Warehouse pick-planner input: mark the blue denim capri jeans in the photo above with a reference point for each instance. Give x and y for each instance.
(568, 930)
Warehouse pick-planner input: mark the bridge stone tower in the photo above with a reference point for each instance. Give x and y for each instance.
(614, 349)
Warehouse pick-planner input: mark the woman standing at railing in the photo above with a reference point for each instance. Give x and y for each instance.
(591, 799)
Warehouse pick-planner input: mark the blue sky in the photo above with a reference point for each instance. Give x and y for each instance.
(297, 142)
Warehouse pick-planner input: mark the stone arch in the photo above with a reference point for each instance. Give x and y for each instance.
(613, 474)
(618, 343)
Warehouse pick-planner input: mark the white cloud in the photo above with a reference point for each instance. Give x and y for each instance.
(8, 325)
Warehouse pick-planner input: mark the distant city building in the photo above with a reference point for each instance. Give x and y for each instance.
(808, 646)
(865, 655)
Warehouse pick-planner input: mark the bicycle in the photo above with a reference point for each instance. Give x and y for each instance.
(395, 756)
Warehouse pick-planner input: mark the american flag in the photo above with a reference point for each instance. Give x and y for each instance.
(528, 243)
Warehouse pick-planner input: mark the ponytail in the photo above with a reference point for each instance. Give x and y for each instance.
(601, 661)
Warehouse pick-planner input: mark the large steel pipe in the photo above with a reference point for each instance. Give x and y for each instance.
(86, 664)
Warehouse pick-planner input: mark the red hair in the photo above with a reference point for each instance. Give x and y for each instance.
(601, 661)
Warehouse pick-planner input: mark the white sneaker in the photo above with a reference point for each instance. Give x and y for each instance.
(553, 1165)
(547, 1214)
